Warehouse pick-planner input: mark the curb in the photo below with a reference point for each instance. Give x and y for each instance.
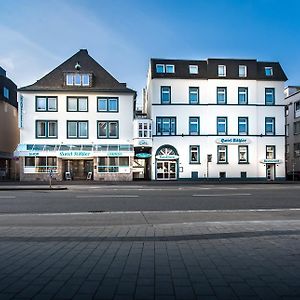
(33, 188)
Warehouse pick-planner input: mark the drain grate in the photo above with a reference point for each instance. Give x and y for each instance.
(96, 211)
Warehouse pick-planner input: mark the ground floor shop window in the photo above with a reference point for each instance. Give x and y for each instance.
(40, 164)
(112, 164)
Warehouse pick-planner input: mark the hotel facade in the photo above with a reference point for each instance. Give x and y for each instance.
(216, 119)
(76, 123)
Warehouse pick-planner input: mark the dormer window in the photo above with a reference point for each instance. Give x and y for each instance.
(170, 69)
(242, 71)
(268, 71)
(78, 79)
(221, 70)
(160, 68)
(193, 69)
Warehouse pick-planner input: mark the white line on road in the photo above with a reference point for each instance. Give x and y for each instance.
(7, 197)
(221, 195)
(107, 196)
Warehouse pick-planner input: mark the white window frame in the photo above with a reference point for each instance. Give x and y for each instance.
(193, 69)
(162, 66)
(267, 70)
(221, 70)
(242, 71)
(170, 69)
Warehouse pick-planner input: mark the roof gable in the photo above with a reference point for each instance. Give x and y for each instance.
(101, 79)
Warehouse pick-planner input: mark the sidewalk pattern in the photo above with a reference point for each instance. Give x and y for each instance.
(209, 260)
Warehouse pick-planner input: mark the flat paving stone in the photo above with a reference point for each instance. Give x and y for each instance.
(219, 260)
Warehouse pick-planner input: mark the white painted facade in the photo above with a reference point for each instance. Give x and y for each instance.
(208, 110)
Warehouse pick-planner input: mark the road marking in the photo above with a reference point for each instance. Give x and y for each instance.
(221, 195)
(108, 196)
(7, 197)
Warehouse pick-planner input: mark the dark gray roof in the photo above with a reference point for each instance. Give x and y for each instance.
(208, 69)
(102, 81)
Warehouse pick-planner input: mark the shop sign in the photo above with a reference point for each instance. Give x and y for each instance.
(143, 155)
(75, 154)
(33, 153)
(233, 141)
(271, 161)
(114, 153)
(166, 156)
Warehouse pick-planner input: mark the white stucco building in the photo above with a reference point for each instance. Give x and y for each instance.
(219, 118)
(76, 122)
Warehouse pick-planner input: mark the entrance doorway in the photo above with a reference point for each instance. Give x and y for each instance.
(270, 172)
(166, 170)
(78, 169)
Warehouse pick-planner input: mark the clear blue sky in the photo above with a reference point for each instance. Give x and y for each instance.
(122, 35)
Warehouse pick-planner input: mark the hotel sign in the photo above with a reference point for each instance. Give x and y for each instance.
(75, 154)
(166, 156)
(21, 111)
(233, 141)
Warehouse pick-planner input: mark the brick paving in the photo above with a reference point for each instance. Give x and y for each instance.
(208, 260)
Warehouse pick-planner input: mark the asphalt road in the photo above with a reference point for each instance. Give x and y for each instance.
(151, 198)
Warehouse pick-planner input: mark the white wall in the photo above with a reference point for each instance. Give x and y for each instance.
(124, 116)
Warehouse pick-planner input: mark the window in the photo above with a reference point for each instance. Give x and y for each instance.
(78, 79)
(76, 104)
(170, 69)
(287, 130)
(221, 70)
(145, 130)
(193, 69)
(40, 164)
(297, 109)
(242, 71)
(108, 104)
(165, 94)
(269, 71)
(166, 126)
(5, 92)
(270, 126)
(160, 68)
(243, 95)
(269, 96)
(270, 152)
(243, 125)
(243, 154)
(222, 154)
(194, 154)
(194, 125)
(297, 149)
(77, 129)
(112, 164)
(46, 129)
(221, 95)
(108, 129)
(193, 95)
(297, 127)
(46, 103)
(221, 125)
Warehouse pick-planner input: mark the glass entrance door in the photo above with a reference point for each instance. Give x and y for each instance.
(166, 170)
(270, 171)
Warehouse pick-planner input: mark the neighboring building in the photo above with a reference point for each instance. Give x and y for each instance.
(217, 119)
(76, 122)
(9, 133)
(292, 102)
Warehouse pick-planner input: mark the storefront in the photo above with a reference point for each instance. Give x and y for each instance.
(76, 162)
(166, 163)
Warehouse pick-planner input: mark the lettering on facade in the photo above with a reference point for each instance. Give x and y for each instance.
(21, 111)
(271, 161)
(75, 154)
(143, 142)
(235, 140)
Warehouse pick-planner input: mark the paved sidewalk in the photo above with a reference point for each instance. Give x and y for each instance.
(208, 260)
